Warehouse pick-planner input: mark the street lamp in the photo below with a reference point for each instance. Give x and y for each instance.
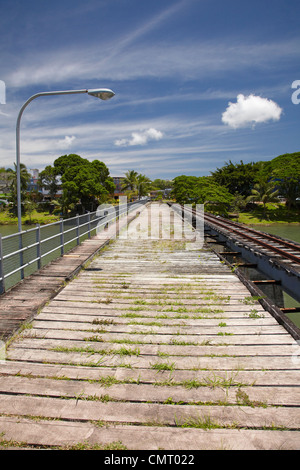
(102, 93)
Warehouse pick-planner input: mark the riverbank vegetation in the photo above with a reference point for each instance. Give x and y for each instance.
(82, 185)
(73, 185)
(261, 192)
(42, 218)
(253, 193)
(274, 213)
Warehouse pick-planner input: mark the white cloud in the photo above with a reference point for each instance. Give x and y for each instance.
(140, 138)
(66, 142)
(250, 110)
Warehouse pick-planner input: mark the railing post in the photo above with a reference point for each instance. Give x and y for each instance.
(89, 224)
(21, 254)
(2, 282)
(77, 228)
(38, 246)
(61, 225)
(105, 215)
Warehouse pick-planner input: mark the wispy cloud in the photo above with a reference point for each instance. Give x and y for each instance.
(135, 35)
(3, 114)
(153, 60)
(84, 61)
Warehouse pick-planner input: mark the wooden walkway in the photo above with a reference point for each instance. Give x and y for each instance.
(152, 346)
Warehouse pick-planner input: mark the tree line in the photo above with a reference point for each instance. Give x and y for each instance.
(80, 180)
(138, 185)
(231, 187)
(84, 185)
(235, 185)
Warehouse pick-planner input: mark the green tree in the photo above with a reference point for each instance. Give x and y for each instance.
(48, 179)
(285, 171)
(185, 189)
(201, 190)
(30, 207)
(238, 203)
(24, 179)
(161, 184)
(87, 182)
(239, 177)
(61, 164)
(130, 180)
(102, 173)
(143, 185)
(5, 178)
(264, 192)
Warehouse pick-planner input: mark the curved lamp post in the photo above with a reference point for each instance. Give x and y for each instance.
(102, 93)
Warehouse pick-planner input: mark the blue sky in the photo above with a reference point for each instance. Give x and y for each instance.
(197, 82)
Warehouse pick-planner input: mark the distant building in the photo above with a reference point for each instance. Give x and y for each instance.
(118, 181)
(165, 193)
(33, 183)
(34, 173)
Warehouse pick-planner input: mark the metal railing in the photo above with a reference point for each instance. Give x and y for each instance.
(23, 253)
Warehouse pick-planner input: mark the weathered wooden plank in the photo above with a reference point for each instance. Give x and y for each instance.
(64, 434)
(99, 334)
(171, 350)
(214, 299)
(185, 377)
(142, 362)
(147, 317)
(218, 307)
(151, 413)
(182, 330)
(249, 396)
(115, 282)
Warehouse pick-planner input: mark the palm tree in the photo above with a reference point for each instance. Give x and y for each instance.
(143, 183)
(130, 180)
(264, 192)
(24, 178)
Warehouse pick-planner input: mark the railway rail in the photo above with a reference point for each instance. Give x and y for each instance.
(288, 250)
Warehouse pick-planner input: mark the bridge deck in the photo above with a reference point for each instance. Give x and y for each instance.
(152, 346)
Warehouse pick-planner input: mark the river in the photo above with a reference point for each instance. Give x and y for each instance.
(290, 231)
(9, 229)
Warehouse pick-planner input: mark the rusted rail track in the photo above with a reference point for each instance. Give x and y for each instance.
(272, 243)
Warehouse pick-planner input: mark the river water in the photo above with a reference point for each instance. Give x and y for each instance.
(9, 229)
(290, 231)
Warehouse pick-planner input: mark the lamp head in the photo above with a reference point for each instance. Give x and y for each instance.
(102, 93)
